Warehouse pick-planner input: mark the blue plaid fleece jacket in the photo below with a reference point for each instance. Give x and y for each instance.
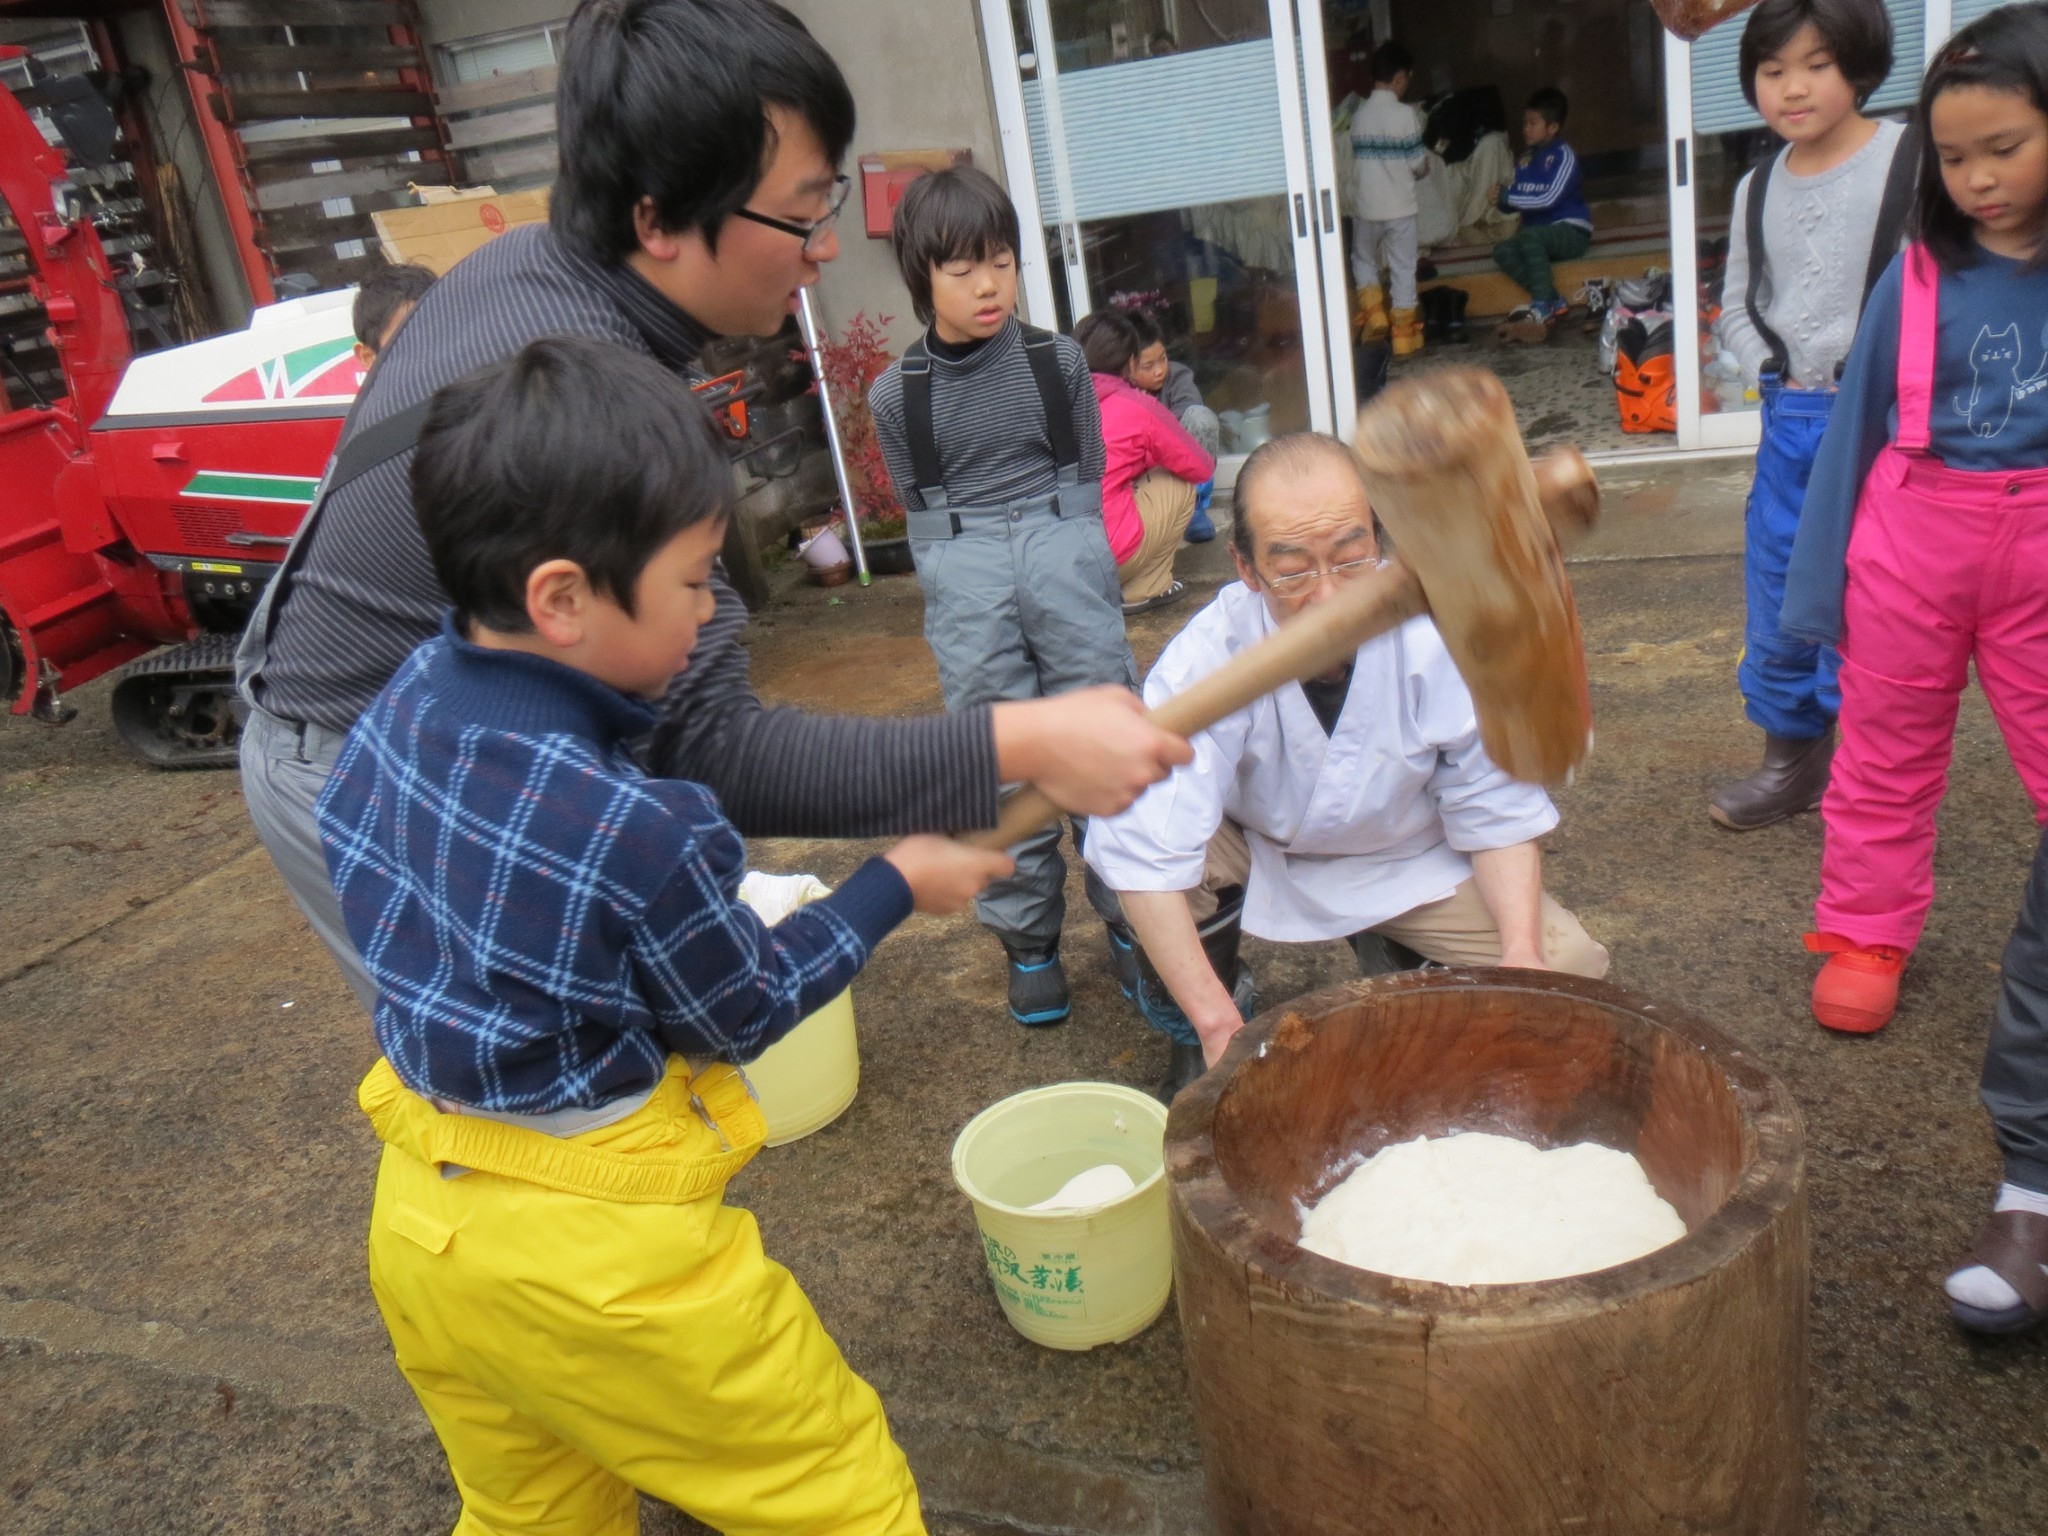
(546, 923)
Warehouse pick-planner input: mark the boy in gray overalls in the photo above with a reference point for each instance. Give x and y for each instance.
(993, 441)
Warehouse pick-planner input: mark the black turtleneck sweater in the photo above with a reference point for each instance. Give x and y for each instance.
(361, 593)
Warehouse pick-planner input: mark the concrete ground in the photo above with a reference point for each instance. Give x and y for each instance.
(187, 1343)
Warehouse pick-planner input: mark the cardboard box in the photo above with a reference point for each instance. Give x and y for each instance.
(440, 233)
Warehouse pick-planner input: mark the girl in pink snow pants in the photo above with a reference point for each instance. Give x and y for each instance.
(1936, 457)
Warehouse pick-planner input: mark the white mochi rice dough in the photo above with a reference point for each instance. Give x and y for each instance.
(1478, 1209)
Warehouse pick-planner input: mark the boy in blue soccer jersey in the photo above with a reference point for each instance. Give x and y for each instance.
(567, 984)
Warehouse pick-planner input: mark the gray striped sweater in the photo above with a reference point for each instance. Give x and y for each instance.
(989, 422)
(363, 595)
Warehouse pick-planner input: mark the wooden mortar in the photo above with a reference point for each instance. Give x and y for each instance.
(1665, 1394)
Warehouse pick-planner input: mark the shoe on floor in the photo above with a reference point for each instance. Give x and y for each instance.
(1524, 327)
(1183, 1066)
(2002, 1287)
(1173, 594)
(1791, 780)
(1200, 527)
(1857, 991)
(1038, 988)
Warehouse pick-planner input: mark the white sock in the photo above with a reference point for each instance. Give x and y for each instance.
(1974, 1285)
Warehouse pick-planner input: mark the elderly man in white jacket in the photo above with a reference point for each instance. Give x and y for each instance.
(1358, 806)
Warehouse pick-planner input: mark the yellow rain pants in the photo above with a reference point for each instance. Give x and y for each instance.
(583, 1316)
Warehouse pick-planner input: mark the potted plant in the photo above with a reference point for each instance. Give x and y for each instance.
(850, 365)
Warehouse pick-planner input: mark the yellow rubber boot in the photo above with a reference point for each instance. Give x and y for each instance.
(1407, 332)
(1371, 317)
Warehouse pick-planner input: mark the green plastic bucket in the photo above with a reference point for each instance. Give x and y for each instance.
(1070, 1279)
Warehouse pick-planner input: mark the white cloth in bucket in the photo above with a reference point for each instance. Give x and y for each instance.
(1091, 1186)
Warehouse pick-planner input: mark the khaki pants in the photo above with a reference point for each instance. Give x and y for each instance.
(1165, 504)
(1455, 931)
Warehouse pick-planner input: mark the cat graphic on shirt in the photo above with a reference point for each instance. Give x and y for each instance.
(1997, 386)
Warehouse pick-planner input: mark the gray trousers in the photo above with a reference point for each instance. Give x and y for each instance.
(2015, 1085)
(1022, 603)
(284, 767)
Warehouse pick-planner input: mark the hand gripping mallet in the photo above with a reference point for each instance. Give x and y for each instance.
(1476, 530)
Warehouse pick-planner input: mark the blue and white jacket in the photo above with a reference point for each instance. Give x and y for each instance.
(1548, 188)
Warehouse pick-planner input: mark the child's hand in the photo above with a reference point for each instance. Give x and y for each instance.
(944, 876)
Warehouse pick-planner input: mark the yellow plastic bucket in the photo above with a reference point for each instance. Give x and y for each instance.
(805, 1080)
(1070, 1279)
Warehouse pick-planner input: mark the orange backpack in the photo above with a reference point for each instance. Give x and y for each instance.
(1646, 378)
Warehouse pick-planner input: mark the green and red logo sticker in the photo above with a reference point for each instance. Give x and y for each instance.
(328, 370)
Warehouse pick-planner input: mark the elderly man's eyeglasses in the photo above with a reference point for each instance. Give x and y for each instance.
(812, 235)
(1301, 581)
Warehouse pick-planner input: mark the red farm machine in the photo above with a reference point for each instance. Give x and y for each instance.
(145, 501)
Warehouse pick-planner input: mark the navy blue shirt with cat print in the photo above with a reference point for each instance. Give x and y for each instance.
(1990, 413)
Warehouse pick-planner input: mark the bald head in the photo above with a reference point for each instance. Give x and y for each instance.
(1269, 478)
(1303, 525)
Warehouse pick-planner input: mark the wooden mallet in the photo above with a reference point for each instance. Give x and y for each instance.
(1475, 528)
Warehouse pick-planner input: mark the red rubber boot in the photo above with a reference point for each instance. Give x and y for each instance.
(1857, 991)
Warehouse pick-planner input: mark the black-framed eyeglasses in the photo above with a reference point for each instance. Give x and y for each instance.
(812, 233)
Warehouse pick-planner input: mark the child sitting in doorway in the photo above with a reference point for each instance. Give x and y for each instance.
(1556, 223)
(567, 983)
(994, 444)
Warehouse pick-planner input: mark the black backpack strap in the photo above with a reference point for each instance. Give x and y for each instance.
(1041, 349)
(1892, 210)
(1753, 236)
(916, 373)
(376, 445)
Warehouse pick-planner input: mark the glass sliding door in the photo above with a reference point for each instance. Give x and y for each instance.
(1162, 153)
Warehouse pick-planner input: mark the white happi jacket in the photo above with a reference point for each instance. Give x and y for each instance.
(1346, 830)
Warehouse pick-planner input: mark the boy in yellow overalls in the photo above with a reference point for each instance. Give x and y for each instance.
(567, 981)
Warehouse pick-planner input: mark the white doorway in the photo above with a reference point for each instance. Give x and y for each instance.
(1180, 155)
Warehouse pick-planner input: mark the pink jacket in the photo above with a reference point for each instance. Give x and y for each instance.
(1139, 434)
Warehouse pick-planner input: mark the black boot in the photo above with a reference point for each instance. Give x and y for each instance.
(1792, 778)
(1038, 988)
(1183, 1067)
(1379, 955)
(1436, 314)
(1454, 320)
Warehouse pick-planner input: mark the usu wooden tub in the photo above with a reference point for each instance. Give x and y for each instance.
(1666, 1395)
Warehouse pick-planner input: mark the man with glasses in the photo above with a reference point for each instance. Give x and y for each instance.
(701, 144)
(1359, 805)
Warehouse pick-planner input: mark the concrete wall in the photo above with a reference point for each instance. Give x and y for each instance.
(920, 80)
